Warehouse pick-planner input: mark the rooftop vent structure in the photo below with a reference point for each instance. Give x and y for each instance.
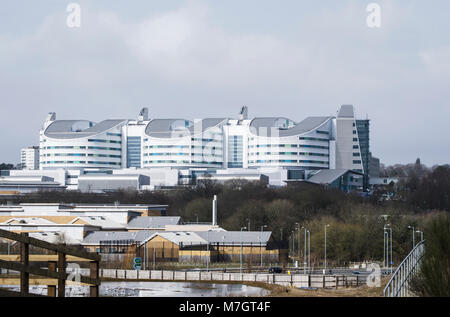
(143, 115)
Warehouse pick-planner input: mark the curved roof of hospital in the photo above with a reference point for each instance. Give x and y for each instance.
(267, 127)
(162, 128)
(68, 129)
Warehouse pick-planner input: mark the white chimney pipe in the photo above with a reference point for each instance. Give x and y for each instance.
(214, 211)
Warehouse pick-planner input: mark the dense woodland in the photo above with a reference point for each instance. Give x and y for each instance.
(356, 223)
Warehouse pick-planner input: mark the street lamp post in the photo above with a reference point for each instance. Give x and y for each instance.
(325, 263)
(240, 269)
(309, 251)
(293, 246)
(207, 253)
(298, 228)
(413, 236)
(390, 242)
(421, 234)
(385, 249)
(388, 246)
(304, 255)
(260, 241)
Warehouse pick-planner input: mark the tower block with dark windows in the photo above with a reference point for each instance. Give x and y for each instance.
(363, 128)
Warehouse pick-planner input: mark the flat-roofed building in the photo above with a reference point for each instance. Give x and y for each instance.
(119, 213)
(29, 158)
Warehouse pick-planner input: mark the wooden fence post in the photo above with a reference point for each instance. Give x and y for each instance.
(51, 289)
(61, 270)
(24, 259)
(94, 270)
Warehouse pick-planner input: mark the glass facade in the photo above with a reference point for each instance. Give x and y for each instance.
(134, 151)
(235, 151)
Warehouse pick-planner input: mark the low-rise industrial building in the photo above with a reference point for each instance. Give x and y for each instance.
(119, 213)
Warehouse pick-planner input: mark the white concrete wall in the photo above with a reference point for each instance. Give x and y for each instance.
(287, 280)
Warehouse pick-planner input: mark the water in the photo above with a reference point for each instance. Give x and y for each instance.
(160, 289)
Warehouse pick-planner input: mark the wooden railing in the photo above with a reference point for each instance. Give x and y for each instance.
(55, 277)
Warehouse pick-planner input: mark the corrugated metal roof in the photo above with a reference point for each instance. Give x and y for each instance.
(236, 237)
(30, 220)
(328, 176)
(54, 237)
(153, 222)
(180, 237)
(267, 126)
(225, 237)
(96, 237)
(161, 128)
(66, 129)
(100, 221)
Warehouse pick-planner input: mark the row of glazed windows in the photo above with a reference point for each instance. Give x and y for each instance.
(113, 134)
(288, 146)
(81, 148)
(205, 140)
(182, 147)
(289, 153)
(288, 161)
(313, 139)
(82, 162)
(182, 154)
(104, 141)
(181, 162)
(80, 154)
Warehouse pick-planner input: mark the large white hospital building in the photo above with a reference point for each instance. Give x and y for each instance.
(149, 153)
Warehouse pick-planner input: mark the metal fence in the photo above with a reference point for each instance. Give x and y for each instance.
(399, 284)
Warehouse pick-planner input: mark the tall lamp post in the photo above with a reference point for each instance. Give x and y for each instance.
(388, 245)
(421, 234)
(304, 254)
(385, 247)
(326, 247)
(293, 246)
(309, 251)
(298, 228)
(260, 241)
(413, 236)
(207, 253)
(240, 269)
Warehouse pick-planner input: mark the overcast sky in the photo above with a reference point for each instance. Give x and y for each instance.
(196, 59)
